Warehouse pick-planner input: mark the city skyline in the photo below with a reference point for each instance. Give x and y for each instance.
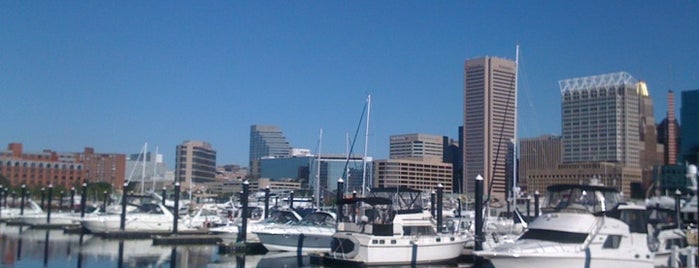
(113, 76)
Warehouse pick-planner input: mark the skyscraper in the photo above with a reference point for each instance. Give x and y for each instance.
(601, 119)
(689, 114)
(489, 121)
(266, 140)
(195, 163)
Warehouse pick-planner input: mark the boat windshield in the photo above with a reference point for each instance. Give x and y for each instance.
(580, 198)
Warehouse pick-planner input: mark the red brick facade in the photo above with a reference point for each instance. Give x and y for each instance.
(66, 169)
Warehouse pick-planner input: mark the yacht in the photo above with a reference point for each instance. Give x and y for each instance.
(229, 232)
(148, 217)
(15, 213)
(663, 227)
(581, 226)
(390, 227)
(316, 228)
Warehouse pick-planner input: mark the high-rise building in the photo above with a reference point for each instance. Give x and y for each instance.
(416, 147)
(60, 169)
(689, 114)
(452, 155)
(600, 119)
(670, 131)
(266, 141)
(489, 121)
(195, 163)
(650, 153)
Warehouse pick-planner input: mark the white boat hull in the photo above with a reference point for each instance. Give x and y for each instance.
(145, 223)
(390, 250)
(549, 260)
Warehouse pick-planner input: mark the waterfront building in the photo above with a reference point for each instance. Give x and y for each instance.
(689, 114)
(543, 152)
(422, 175)
(266, 141)
(489, 121)
(195, 163)
(304, 170)
(61, 169)
(616, 175)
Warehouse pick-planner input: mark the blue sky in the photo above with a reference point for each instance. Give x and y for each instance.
(113, 75)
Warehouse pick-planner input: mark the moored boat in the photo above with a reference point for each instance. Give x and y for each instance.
(582, 226)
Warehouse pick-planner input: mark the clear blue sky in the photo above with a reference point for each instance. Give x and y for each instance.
(113, 74)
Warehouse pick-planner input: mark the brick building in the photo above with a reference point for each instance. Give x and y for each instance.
(64, 169)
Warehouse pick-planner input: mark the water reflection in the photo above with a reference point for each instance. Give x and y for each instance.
(25, 247)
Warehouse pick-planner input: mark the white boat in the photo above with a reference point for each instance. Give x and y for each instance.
(15, 213)
(581, 226)
(229, 232)
(312, 234)
(390, 227)
(148, 218)
(664, 230)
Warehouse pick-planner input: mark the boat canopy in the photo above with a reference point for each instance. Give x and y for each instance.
(581, 198)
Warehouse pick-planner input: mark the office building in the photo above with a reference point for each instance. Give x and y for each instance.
(266, 141)
(421, 147)
(195, 164)
(543, 152)
(600, 119)
(489, 121)
(689, 115)
(422, 175)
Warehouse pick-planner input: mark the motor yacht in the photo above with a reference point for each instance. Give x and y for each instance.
(390, 227)
(312, 234)
(581, 226)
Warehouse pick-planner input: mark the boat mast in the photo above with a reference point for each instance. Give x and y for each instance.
(152, 189)
(143, 170)
(515, 188)
(366, 143)
(317, 184)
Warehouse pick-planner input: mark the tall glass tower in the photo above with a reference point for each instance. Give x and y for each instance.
(266, 141)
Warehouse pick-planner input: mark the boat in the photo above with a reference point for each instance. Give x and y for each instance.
(229, 233)
(16, 213)
(581, 226)
(391, 227)
(312, 234)
(664, 230)
(148, 217)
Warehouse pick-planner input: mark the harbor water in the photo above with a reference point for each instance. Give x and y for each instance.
(24, 247)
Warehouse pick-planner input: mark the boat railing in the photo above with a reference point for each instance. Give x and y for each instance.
(594, 229)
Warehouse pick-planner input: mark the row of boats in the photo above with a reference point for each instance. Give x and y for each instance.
(580, 226)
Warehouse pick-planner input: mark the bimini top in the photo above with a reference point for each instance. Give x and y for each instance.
(401, 189)
(586, 187)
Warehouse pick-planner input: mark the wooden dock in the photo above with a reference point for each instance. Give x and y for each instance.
(178, 239)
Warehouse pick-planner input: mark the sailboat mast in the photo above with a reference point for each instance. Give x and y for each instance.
(514, 139)
(317, 184)
(366, 143)
(152, 189)
(143, 170)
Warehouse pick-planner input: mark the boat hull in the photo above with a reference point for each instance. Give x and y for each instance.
(392, 250)
(312, 242)
(537, 261)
